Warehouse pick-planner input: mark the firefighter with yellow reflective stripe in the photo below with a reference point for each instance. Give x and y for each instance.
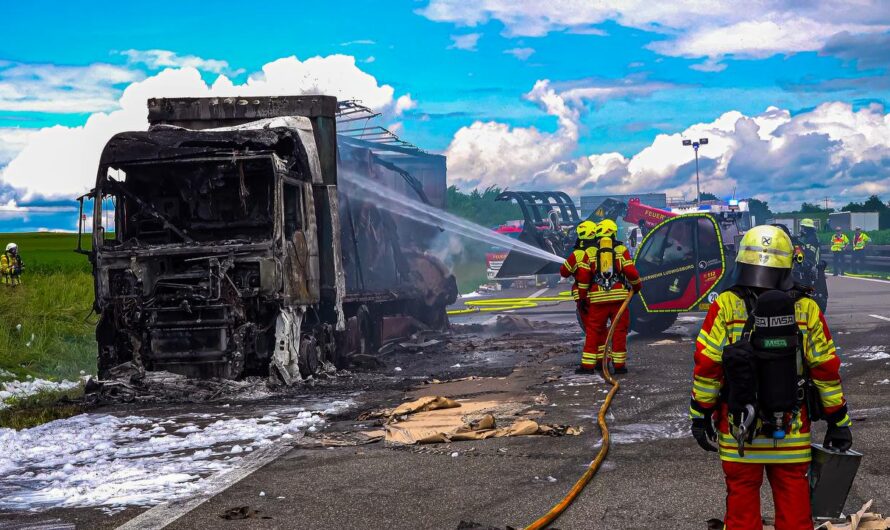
(860, 241)
(839, 244)
(578, 261)
(611, 273)
(761, 341)
(11, 266)
(586, 231)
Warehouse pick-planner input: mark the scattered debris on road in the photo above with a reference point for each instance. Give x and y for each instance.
(438, 419)
(241, 512)
(861, 520)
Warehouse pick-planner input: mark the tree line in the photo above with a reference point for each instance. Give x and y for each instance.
(480, 207)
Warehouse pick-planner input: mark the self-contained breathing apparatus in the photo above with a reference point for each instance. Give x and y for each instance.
(607, 271)
(767, 379)
(606, 266)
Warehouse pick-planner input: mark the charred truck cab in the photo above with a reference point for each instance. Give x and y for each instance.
(218, 245)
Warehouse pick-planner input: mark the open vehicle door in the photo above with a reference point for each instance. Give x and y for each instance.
(681, 262)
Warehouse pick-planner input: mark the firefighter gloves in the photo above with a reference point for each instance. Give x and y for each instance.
(704, 433)
(838, 438)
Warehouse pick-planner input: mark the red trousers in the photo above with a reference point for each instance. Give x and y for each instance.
(596, 323)
(791, 495)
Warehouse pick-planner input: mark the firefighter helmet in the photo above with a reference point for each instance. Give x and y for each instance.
(11, 246)
(807, 223)
(586, 230)
(606, 228)
(764, 258)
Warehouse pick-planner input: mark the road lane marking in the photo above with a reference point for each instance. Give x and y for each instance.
(494, 319)
(165, 513)
(539, 293)
(864, 279)
(880, 317)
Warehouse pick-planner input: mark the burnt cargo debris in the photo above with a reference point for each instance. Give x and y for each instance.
(224, 246)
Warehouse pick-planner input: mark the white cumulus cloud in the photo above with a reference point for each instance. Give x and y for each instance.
(487, 153)
(404, 103)
(61, 162)
(692, 28)
(832, 150)
(62, 89)
(13, 140)
(520, 53)
(159, 59)
(465, 42)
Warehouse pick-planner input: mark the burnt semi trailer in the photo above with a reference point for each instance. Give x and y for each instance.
(224, 245)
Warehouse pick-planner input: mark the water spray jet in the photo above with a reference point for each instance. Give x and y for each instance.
(409, 208)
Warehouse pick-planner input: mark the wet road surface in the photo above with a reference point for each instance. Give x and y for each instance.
(655, 474)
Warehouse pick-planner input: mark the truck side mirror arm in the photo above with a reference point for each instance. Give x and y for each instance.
(80, 249)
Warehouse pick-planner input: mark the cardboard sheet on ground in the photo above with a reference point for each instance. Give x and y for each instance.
(449, 421)
(861, 520)
(422, 404)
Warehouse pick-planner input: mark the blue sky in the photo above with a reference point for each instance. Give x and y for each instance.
(578, 95)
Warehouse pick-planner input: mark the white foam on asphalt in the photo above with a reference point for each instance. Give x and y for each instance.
(869, 353)
(113, 462)
(646, 432)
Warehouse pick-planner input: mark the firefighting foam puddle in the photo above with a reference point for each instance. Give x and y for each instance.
(100, 460)
(11, 390)
(631, 433)
(870, 353)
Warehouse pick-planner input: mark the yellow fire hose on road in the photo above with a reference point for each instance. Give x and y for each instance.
(576, 490)
(507, 304)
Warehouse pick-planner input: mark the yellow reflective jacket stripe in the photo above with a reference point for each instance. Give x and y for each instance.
(860, 241)
(724, 325)
(838, 243)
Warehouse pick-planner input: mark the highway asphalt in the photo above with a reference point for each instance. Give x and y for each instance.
(655, 475)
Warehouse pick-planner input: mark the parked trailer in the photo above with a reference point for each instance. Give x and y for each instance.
(224, 244)
(868, 221)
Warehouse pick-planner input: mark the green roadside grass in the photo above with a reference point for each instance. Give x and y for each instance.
(46, 329)
(40, 408)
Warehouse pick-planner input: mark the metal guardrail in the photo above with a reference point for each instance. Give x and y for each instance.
(877, 257)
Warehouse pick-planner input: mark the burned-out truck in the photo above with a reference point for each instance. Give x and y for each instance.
(224, 245)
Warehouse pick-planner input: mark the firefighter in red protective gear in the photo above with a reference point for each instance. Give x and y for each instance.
(761, 341)
(610, 275)
(578, 260)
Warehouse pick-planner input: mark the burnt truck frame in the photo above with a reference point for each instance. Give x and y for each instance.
(226, 252)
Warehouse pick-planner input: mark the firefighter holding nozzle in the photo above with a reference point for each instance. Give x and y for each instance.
(578, 261)
(765, 368)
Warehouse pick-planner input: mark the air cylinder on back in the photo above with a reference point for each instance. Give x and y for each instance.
(775, 342)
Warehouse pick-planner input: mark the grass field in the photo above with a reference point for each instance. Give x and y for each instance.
(46, 329)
